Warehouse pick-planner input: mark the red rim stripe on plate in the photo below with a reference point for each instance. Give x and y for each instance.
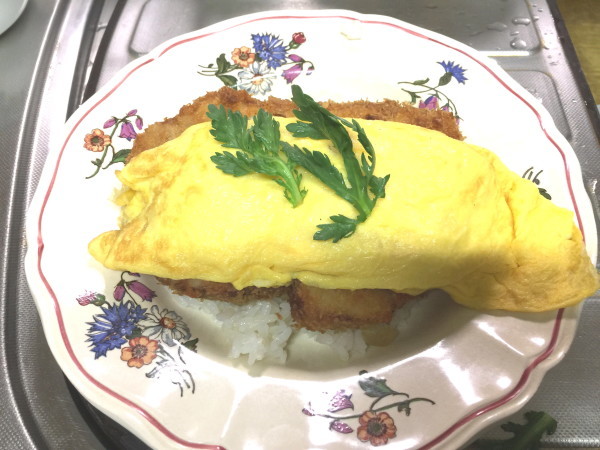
(511, 395)
(151, 419)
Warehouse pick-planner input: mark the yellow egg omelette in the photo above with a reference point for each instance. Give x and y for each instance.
(454, 218)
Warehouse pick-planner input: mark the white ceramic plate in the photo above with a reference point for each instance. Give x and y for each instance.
(459, 369)
(10, 11)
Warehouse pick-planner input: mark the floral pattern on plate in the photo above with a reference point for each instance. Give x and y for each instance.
(100, 141)
(374, 424)
(131, 336)
(435, 97)
(146, 336)
(258, 66)
(532, 176)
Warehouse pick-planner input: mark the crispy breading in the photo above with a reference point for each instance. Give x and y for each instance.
(312, 308)
(195, 112)
(332, 309)
(222, 291)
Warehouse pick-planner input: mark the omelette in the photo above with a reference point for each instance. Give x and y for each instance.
(454, 218)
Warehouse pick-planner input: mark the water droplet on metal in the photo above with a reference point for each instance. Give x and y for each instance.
(514, 33)
(497, 26)
(554, 63)
(536, 94)
(521, 21)
(518, 43)
(536, 18)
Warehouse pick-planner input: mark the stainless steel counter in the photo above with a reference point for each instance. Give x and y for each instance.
(60, 51)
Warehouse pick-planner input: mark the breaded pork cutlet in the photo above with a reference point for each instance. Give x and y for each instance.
(195, 112)
(312, 308)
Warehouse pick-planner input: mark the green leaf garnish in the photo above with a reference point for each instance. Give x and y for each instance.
(360, 187)
(259, 148)
(526, 436)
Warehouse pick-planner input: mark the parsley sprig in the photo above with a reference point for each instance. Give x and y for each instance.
(361, 188)
(259, 149)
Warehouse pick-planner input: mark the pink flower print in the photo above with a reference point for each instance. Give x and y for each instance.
(86, 298)
(308, 411)
(340, 427)
(91, 298)
(127, 131)
(142, 290)
(292, 73)
(431, 102)
(119, 292)
(340, 401)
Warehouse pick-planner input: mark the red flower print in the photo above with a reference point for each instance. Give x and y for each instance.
(96, 140)
(141, 350)
(377, 428)
(299, 38)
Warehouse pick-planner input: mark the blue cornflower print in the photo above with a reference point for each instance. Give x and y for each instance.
(429, 95)
(109, 329)
(270, 49)
(455, 70)
(255, 67)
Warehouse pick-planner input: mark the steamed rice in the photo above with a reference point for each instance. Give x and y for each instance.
(262, 330)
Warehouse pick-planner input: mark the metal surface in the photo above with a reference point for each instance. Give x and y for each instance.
(60, 52)
(36, 407)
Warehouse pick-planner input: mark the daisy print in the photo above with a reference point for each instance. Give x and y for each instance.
(257, 66)
(164, 325)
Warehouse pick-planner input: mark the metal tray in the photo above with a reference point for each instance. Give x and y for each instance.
(74, 57)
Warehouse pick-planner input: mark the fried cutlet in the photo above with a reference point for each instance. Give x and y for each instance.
(318, 309)
(312, 308)
(195, 112)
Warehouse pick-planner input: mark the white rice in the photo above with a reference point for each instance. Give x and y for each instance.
(262, 330)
